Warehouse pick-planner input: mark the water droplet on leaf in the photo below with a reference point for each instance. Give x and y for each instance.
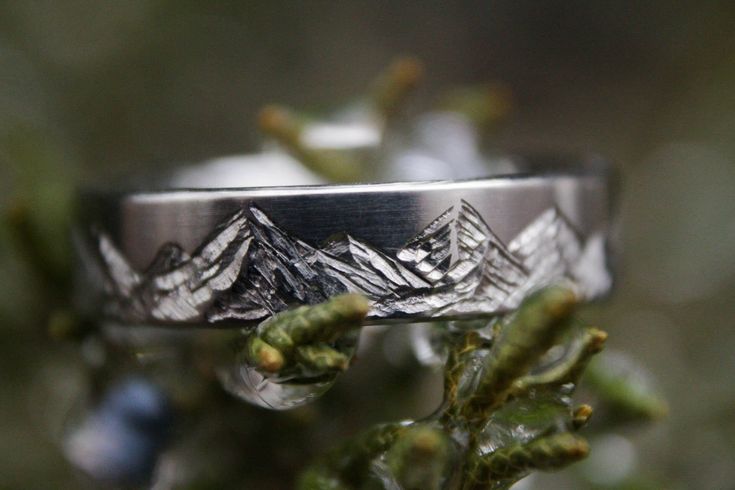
(247, 383)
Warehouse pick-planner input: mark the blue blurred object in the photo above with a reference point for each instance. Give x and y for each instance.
(120, 441)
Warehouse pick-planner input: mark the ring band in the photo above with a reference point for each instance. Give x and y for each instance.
(418, 250)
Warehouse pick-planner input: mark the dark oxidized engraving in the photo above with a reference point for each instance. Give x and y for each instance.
(249, 269)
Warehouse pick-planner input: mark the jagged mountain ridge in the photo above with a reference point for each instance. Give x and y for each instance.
(176, 286)
(249, 268)
(549, 247)
(483, 266)
(282, 271)
(430, 252)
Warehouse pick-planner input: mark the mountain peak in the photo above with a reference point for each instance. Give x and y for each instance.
(430, 252)
(169, 256)
(356, 252)
(550, 233)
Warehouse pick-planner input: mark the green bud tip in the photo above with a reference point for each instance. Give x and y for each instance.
(559, 302)
(354, 307)
(427, 441)
(597, 340)
(275, 120)
(266, 357)
(406, 72)
(581, 416)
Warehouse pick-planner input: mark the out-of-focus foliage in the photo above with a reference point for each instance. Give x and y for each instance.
(498, 420)
(88, 89)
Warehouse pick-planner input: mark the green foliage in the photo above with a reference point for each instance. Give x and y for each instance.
(307, 341)
(545, 453)
(622, 390)
(506, 410)
(421, 458)
(531, 332)
(449, 449)
(280, 124)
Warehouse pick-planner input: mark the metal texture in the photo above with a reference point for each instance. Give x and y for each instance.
(419, 250)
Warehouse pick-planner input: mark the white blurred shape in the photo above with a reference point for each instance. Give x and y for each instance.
(611, 460)
(270, 168)
(525, 484)
(425, 348)
(587, 268)
(413, 165)
(442, 146)
(454, 139)
(341, 136)
(246, 383)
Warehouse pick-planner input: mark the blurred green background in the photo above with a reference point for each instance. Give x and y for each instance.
(90, 88)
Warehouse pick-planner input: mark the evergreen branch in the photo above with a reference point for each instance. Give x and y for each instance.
(589, 343)
(65, 324)
(321, 358)
(391, 88)
(280, 124)
(454, 368)
(34, 250)
(533, 329)
(348, 465)
(628, 400)
(318, 478)
(581, 416)
(420, 459)
(547, 453)
(484, 105)
(306, 338)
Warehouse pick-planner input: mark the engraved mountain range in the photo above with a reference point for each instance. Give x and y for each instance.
(249, 268)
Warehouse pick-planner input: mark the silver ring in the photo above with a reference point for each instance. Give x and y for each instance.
(418, 250)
